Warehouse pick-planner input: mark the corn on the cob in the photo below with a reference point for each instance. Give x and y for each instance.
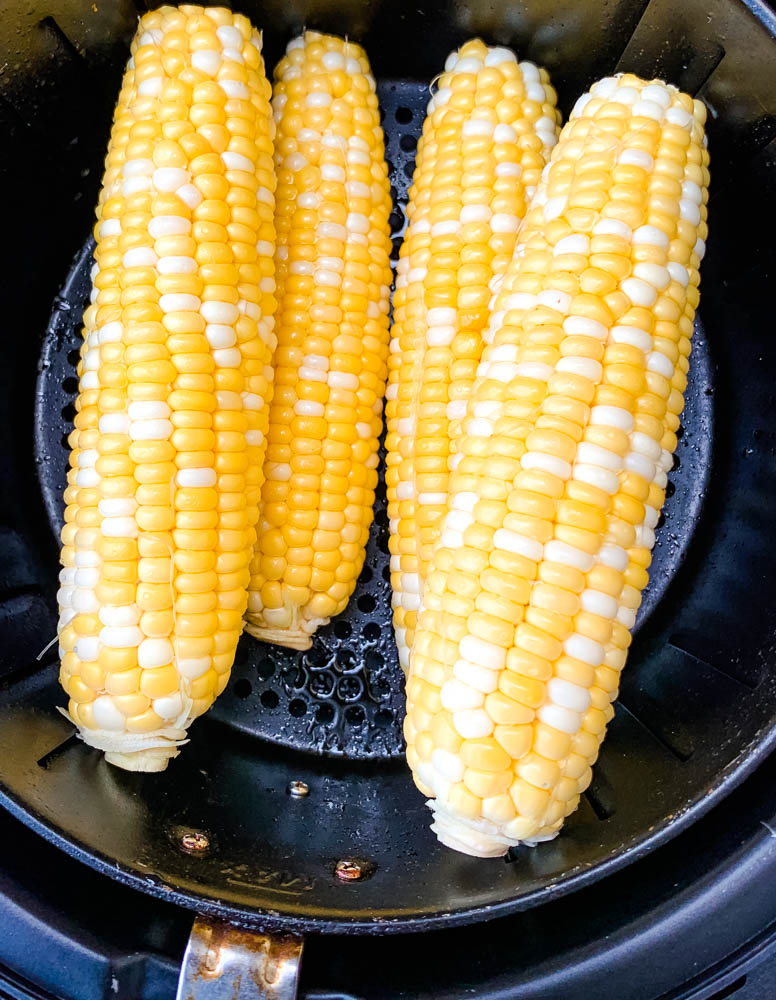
(567, 439)
(334, 277)
(488, 134)
(163, 489)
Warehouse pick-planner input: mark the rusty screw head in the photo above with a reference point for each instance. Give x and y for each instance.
(348, 870)
(298, 789)
(194, 842)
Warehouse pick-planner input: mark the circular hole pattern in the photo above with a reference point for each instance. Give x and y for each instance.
(297, 708)
(387, 574)
(324, 714)
(243, 689)
(374, 661)
(350, 688)
(380, 689)
(670, 489)
(383, 719)
(322, 684)
(371, 632)
(408, 143)
(403, 115)
(342, 629)
(366, 574)
(354, 715)
(295, 676)
(347, 661)
(409, 169)
(73, 356)
(265, 669)
(366, 603)
(70, 385)
(269, 699)
(396, 221)
(317, 658)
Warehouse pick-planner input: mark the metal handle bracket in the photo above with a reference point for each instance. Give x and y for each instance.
(224, 962)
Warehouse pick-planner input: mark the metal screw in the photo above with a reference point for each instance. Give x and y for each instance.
(348, 870)
(298, 789)
(194, 842)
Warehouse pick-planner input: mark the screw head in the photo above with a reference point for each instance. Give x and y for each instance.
(298, 789)
(349, 870)
(194, 842)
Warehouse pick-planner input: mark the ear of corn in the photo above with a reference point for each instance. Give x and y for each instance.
(487, 136)
(567, 440)
(334, 279)
(174, 381)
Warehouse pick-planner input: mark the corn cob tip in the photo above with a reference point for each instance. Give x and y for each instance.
(149, 761)
(280, 636)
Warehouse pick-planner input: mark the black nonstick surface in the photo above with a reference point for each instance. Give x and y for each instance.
(698, 704)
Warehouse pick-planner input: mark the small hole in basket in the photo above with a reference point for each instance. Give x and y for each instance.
(677, 461)
(391, 167)
(396, 221)
(387, 573)
(354, 715)
(295, 676)
(382, 518)
(409, 169)
(269, 699)
(670, 489)
(297, 708)
(347, 661)
(318, 658)
(322, 685)
(661, 520)
(366, 574)
(65, 440)
(324, 713)
(74, 356)
(350, 688)
(343, 630)
(383, 718)
(380, 689)
(265, 669)
(680, 432)
(394, 195)
(68, 412)
(371, 632)
(243, 688)
(70, 385)
(396, 248)
(408, 143)
(374, 661)
(403, 115)
(366, 603)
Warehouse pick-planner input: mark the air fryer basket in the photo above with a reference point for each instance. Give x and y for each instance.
(698, 704)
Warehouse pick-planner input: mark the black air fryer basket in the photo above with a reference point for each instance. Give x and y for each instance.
(224, 830)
